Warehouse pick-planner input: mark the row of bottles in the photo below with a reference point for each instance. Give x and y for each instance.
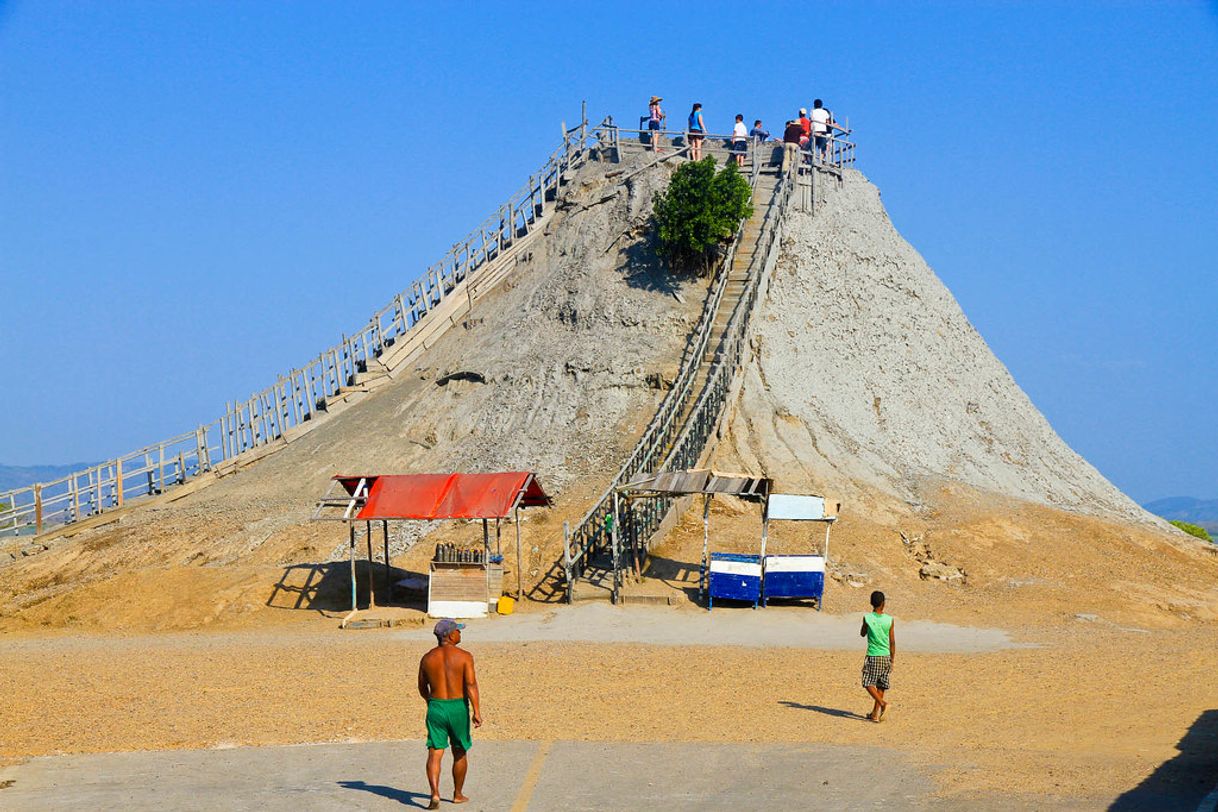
(455, 554)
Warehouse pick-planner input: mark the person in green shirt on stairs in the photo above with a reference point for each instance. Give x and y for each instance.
(881, 649)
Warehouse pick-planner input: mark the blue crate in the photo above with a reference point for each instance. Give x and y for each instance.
(795, 576)
(735, 577)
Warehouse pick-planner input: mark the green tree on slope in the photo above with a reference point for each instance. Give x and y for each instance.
(1193, 530)
(700, 209)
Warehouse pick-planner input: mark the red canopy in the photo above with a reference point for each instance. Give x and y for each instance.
(446, 496)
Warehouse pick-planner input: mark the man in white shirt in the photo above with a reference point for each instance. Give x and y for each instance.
(823, 126)
(740, 140)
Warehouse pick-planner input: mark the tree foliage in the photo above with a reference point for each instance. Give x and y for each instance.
(1193, 530)
(700, 209)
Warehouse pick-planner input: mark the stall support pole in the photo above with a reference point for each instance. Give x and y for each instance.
(498, 539)
(351, 528)
(566, 556)
(519, 558)
(765, 533)
(702, 585)
(821, 603)
(371, 574)
(617, 569)
(388, 570)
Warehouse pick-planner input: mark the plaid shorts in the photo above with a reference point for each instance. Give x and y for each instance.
(876, 671)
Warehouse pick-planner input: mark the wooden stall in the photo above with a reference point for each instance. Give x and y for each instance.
(459, 585)
(800, 575)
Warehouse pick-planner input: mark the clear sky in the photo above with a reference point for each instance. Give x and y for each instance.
(198, 196)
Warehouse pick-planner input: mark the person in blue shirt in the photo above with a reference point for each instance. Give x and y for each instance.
(758, 132)
(697, 132)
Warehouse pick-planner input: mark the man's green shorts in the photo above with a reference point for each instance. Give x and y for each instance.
(448, 718)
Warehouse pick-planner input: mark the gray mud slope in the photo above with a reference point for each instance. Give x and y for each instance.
(557, 371)
(867, 376)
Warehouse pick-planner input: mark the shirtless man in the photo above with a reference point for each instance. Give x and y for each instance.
(448, 684)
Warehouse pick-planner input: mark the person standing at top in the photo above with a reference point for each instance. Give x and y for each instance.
(805, 126)
(823, 126)
(697, 132)
(881, 651)
(655, 122)
(759, 132)
(790, 145)
(740, 140)
(449, 686)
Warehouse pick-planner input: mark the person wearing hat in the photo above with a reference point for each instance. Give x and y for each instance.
(449, 686)
(790, 145)
(805, 124)
(655, 122)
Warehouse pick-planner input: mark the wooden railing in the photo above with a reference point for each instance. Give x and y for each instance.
(300, 395)
(591, 535)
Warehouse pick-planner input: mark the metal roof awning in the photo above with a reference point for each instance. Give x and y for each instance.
(444, 496)
(700, 481)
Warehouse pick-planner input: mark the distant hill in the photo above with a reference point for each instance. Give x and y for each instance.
(19, 476)
(1187, 509)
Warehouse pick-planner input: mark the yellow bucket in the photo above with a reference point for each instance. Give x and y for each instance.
(506, 605)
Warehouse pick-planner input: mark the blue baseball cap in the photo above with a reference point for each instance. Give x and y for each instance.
(447, 626)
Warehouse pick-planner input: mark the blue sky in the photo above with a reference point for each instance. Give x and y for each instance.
(195, 197)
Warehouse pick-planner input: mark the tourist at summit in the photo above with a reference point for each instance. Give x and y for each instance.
(881, 651)
(805, 127)
(790, 145)
(759, 132)
(740, 140)
(823, 126)
(697, 132)
(655, 122)
(449, 686)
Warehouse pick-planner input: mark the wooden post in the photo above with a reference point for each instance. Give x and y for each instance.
(566, 557)
(519, 559)
(37, 508)
(617, 567)
(204, 463)
(371, 582)
(388, 570)
(160, 482)
(354, 604)
(118, 482)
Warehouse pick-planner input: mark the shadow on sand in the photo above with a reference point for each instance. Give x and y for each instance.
(415, 799)
(326, 587)
(1184, 781)
(838, 712)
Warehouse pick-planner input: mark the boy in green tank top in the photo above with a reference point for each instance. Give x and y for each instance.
(881, 649)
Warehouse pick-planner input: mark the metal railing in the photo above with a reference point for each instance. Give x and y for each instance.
(591, 535)
(302, 393)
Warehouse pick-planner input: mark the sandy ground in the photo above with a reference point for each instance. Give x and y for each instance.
(1086, 709)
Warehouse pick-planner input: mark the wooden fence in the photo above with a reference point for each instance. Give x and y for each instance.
(670, 443)
(302, 394)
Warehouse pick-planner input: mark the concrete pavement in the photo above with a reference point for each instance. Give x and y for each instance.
(504, 775)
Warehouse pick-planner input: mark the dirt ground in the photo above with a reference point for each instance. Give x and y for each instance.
(1089, 709)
